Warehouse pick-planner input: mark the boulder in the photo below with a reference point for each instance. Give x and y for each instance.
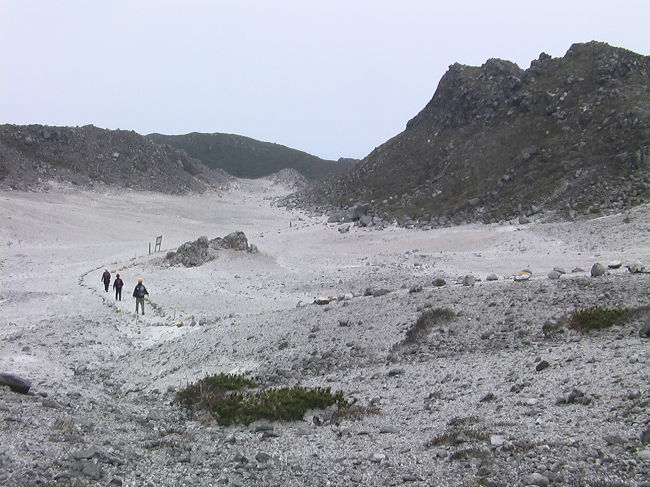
(597, 270)
(439, 282)
(15, 382)
(492, 277)
(236, 241)
(469, 280)
(554, 275)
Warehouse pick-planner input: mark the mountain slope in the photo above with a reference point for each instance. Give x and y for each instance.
(34, 154)
(249, 158)
(567, 136)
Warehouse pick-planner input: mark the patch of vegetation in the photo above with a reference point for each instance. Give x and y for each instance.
(224, 396)
(425, 323)
(597, 318)
(212, 390)
(453, 437)
(354, 412)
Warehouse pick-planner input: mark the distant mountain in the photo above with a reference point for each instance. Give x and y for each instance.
(32, 155)
(569, 136)
(249, 158)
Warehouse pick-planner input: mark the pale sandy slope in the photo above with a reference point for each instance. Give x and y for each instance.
(53, 242)
(253, 315)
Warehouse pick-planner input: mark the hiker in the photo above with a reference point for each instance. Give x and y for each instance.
(106, 279)
(117, 285)
(139, 293)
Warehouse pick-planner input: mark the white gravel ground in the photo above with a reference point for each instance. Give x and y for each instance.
(465, 405)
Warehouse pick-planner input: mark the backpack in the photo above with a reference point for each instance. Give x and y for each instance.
(140, 291)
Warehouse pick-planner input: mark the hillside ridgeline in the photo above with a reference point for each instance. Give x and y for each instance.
(33, 155)
(249, 158)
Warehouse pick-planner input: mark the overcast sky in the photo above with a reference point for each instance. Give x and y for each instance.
(334, 78)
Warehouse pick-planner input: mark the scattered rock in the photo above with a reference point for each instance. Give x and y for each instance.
(615, 264)
(537, 479)
(439, 282)
(597, 270)
(523, 275)
(636, 268)
(554, 275)
(16, 383)
(322, 300)
(492, 277)
(469, 280)
(543, 364)
(416, 288)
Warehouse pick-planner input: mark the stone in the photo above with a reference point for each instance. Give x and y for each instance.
(524, 220)
(543, 364)
(643, 455)
(523, 275)
(538, 479)
(597, 270)
(344, 228)
(416, 288)
(380, 292)
(16, 383)
(645, 436)
(469, 280)
(389, 429)
(615, 264)
(439, 282)
(492, 277)
(322, 300)
(496, 440)
(554, 275)
(92, 470)
(561, 270)
(377, 457)
(262, 457)
(636, 268)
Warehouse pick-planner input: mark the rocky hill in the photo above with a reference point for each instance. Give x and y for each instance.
(32, 155)
(249, 158)
(567, 137)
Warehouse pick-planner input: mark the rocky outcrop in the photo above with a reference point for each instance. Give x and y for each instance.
(567, 137)
(33, 155)
(202, 250)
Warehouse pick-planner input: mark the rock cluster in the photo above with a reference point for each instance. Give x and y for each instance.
(202, 250)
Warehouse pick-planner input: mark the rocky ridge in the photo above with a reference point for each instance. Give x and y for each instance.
(33, 155)
(567, 137)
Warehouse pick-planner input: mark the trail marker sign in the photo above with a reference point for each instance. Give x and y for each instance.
(158, 244)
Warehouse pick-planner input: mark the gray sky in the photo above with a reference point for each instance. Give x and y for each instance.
(334, 78)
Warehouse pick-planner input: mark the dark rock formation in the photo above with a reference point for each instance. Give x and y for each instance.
(33, 155)
(566, 137)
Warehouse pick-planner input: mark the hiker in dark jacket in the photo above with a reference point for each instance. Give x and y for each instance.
(139, 293)
(106, 279)
(117, 285)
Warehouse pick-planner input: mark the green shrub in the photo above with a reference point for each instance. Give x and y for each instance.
(597, 317)
(275, 404)
(224, 396)
(212, 389)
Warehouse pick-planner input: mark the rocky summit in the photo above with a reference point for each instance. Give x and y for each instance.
(567, 137)
(31, 156)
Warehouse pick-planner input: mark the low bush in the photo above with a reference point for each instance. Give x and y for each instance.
(597, 318)
(228, 401)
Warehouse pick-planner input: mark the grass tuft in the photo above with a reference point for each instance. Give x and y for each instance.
(425, 323)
